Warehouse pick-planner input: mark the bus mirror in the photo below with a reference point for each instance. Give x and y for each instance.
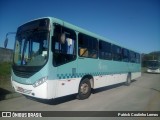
(5, 42)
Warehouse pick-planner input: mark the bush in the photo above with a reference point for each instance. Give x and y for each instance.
(5, 69)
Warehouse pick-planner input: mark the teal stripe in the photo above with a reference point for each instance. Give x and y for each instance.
(79, 75)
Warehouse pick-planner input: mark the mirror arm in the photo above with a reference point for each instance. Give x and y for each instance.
(10, 33)
(6, 40)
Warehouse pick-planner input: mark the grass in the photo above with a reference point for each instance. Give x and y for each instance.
(5, 73)
(144, 69)
(5, 70)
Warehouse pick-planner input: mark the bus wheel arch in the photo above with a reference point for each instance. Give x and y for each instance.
(85, 87)
(91, 79)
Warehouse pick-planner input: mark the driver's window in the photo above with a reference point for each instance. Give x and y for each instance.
(64, 45)
(64, 40)
(35, 49)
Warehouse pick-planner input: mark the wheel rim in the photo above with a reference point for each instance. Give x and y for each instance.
(84, 88)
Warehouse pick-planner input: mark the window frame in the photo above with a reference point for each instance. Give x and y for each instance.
(138, 58)
(85, 44)
(115, 53)
(71, 31)
(125, 56)
(132, 55)
(108, 51)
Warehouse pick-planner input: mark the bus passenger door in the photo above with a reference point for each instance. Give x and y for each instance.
(64, 58)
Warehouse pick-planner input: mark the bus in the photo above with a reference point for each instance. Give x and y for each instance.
(53, 58)
(153, 66)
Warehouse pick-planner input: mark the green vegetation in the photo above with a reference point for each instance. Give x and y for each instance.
(5, 73)
(5, 70)
(143, 69)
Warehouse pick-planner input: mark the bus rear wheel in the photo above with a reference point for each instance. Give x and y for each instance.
(84, 89)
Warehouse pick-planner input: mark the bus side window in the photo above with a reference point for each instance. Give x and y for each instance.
(137, 58)
(116, 53)
(63, 45)
(82, 45)
(105, 50)
(87, 46)
(125, 55)
(132, 56)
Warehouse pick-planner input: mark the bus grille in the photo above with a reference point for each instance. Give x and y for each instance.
(23, 74)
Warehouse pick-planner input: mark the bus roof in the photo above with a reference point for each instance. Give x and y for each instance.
(78, 29)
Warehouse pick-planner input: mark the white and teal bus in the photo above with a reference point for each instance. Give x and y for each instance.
(53, 58)
(153, 66)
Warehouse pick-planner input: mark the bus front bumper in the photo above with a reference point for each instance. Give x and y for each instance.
(41, 91)
(153, 71)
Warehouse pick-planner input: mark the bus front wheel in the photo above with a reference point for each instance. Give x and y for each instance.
(84, 89)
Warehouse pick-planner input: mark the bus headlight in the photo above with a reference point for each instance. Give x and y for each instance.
(40, 81)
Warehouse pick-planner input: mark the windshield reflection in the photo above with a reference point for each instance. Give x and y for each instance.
(153, 64)
(31, 48)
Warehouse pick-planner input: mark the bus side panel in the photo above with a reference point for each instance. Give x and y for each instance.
(111, 72)
(106, 80)
(51, 89)
(135, 70)
(67, 86)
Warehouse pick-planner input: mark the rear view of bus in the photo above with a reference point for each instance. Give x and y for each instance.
(153, 66)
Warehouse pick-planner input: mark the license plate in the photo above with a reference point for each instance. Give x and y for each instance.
(20, 89)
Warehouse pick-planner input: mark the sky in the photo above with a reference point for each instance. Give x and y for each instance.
(134, 24)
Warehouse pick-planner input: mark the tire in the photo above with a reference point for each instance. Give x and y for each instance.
(84, 90)
(128, 81)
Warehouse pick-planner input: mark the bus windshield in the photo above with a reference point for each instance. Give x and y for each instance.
(31, 48)
(153, 64)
